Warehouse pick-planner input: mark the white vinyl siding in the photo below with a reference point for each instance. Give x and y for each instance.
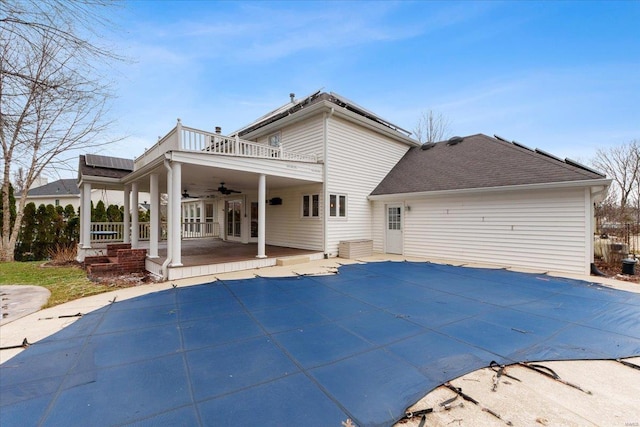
(378, 226)
(305, 137)
(358, 159)
(285, 225)
(546, 230)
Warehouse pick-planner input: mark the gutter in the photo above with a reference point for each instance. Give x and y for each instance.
(522, 187)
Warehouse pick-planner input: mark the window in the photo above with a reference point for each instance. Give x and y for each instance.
(394, 218)
(311, 206)
(274, 140)
(338, 205)
(57, 202)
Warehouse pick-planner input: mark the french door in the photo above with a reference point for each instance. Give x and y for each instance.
(234, 219)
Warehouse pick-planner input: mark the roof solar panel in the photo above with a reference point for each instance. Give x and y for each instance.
(581, 166)
(544, 153)
(109, 162)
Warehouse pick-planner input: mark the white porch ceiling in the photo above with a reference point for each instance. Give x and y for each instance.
(202, 175)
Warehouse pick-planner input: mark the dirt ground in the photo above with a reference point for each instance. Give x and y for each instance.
(614, 271)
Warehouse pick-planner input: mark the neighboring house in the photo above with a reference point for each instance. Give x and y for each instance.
(323, 170)
(62, 192)
(65, 192)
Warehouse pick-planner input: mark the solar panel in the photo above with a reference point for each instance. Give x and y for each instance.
(108, 162)
(517, 144)
(544, 153)
(581, 166)
(367, 112)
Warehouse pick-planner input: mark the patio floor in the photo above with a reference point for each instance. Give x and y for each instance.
(309, 350)
(217, 251)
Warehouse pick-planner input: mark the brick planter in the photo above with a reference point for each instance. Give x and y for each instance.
(120, 259)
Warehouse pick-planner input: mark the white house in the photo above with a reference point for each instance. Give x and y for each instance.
(323, 170)
(63, 192)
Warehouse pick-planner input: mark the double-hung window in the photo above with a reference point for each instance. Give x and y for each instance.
(311, 206)
(338, 205)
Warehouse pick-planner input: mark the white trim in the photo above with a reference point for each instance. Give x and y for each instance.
(337, 216)
(522, 187)
(311, 215)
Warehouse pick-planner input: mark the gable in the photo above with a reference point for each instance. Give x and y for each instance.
(317, 104)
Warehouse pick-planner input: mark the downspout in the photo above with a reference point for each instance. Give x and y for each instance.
(324, 184)
(165, 264)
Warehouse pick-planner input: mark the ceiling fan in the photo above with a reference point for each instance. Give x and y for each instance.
(206, 195)
(185, 195)
(226, 191)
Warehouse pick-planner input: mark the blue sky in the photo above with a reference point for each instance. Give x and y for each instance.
(560, 76)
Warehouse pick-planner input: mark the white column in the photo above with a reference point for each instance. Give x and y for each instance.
(176, 223)
(135, 228)
(126, 238)
(85, 213)
(262, 195)
(154, 226)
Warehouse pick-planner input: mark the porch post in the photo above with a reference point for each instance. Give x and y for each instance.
(85, 212)
(154, 226)
(126, 233)
(135, 229)
(176, 206)
(262, 195)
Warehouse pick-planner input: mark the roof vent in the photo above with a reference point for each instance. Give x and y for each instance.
(427, 145)
(455, 140)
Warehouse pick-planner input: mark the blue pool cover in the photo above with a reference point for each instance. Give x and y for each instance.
(311, 350)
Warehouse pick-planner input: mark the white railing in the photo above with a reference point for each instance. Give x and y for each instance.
(190, 139)
(114, 231)
(106, 231)
(197, 140)
(200, 229)
(168, 143)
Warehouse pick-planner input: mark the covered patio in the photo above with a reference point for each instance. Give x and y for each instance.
(219, 185)
(211, 256)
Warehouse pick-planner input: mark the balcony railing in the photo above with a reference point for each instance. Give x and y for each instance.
(114, 231)
(190, 139)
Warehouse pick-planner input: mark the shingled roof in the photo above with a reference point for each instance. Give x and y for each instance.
(477, 161)
(65, 187)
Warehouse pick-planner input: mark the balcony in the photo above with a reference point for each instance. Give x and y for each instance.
(182, 138)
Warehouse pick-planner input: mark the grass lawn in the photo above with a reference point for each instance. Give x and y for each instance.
(66, 283)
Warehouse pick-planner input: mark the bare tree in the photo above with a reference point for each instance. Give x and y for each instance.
(621, 163)
(53, 97)
(432, 127)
